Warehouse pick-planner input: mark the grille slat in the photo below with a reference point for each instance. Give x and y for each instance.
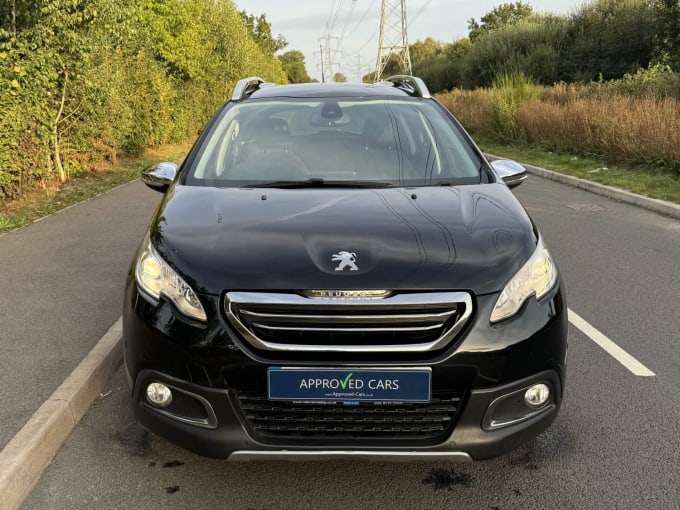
(352, 319)
(409, 322)
(357, 329)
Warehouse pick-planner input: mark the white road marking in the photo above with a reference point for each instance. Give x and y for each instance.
(614, 350)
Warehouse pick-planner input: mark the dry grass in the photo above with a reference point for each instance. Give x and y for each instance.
(473, 108)
(615, 127)
(621, 128)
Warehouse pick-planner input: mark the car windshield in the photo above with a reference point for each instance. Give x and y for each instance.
(291, 142)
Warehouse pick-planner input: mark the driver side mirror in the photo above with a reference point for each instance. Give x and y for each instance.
(512, 173)
(159, 177)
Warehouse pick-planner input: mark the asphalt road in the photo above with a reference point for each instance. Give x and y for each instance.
(616, 443)
(61, 284)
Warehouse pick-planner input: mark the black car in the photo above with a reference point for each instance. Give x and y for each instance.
(336, 270)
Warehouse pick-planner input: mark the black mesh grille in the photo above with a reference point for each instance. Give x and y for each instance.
(338, 423)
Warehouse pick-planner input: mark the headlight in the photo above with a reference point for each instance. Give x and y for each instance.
(536, 277)
(156, 277)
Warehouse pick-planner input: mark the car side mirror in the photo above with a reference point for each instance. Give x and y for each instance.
(160, 176)
(511, 172)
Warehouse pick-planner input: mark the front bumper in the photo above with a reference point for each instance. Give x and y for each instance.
(228, 437)
(204, 364)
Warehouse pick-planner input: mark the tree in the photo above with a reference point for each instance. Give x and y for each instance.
(51, 44)
(368, 77)
(609, 38)
(534, 47)
(293, 63)
(180, 40)
(457, 49)
(501, 16)
(81, 80)
(339, 78)
(261, 32)
(422, 50)
(17, 15)
(667, 39)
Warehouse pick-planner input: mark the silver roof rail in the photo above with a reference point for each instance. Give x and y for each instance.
(245, 87)
(410, 84)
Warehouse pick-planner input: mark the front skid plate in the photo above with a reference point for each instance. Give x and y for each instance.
(378, 455)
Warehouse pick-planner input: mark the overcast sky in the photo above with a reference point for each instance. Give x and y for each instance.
(302, 22)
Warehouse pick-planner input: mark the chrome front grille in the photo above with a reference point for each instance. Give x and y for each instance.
(409, 322)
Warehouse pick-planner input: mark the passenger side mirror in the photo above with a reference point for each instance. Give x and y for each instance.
(160, 176)
(512, 173)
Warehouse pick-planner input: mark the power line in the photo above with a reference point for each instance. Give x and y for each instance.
(358, 66)
(347, 19)
(363, 18)
(330, 16)
(420, 11)
(369, 40)
(335, 17)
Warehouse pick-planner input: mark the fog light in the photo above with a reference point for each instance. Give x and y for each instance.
(158, 394)
(537, 395)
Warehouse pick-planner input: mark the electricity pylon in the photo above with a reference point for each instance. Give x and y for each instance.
(328, 54)
(393, 37)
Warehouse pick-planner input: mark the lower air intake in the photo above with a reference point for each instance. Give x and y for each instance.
(286, 422)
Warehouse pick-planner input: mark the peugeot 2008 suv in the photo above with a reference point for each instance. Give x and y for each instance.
(336, 269)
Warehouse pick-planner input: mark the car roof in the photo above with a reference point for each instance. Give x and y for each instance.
(399, 85)
(303, 90)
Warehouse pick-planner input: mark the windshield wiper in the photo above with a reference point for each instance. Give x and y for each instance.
(317, 182)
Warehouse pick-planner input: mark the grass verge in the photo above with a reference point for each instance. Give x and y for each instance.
(43, 202)
(644, 180)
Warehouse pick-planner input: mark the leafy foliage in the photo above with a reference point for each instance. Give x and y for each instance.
(261, 32)
(609, 38)
(293, 63)
(667, 38)
(602, 40)
(423, 50)
(533, 47)
(82, 80)
(501, 16)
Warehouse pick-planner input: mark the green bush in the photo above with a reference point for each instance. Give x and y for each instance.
(441, 72)
(658, 81)
(607, 39)
(603, 39)
(532, 47)
(82, 80)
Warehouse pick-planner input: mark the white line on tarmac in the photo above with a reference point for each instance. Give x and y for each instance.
(612, 349)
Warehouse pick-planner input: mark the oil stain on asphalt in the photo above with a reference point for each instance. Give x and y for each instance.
(446, 479)
(135, 439)
(528, 461)
(173, 463)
